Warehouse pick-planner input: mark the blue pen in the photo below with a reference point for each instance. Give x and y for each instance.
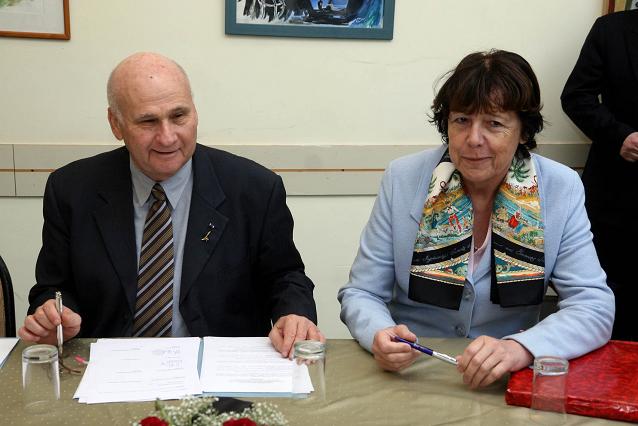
(435, 354)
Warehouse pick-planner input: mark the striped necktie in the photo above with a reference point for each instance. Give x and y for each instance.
(154, 305)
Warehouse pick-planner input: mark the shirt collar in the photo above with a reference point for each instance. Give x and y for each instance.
(173, 186)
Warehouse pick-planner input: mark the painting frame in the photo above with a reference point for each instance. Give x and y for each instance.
(232, 27)
(54, 15)
(612, 6)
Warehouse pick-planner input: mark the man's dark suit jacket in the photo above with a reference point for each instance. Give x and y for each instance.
(247, 274)
(607, 67)
(601, 98)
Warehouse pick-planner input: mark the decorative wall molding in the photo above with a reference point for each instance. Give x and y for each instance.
(305, 169)
(7, 171)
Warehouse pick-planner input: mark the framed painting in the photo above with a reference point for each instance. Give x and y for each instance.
(35, 19)
(619, 5)
(371, 19)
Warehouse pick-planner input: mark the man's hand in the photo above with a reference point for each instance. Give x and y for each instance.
(391, 355)
(41, 326)
(290, 329)
(629, 148)
(487, 359)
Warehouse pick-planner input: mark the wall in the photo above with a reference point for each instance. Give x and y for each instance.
(275, 91)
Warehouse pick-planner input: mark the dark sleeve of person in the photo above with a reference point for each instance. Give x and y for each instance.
(53, 271)
(580, 97)
(280, 265)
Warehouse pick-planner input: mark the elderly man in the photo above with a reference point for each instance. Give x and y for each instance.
(165, 237)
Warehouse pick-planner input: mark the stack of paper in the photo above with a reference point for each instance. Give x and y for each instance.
(167, 368)
(140, 370)
(6, 345)
(249, 366)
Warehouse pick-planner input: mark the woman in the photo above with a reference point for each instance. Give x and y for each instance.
(463, 240)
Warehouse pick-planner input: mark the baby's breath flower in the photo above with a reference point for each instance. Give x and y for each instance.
(194, 411)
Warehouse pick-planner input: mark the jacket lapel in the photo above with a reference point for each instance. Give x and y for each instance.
(205, 223)
(416, 211)
(114, 219)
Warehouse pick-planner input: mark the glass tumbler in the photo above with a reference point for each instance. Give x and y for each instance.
(309, 381)
(40, 378)
(549, 390)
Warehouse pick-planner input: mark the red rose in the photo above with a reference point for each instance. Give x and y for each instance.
(238, 422)
(153, 421)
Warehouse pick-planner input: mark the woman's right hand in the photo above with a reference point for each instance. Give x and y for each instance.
(391, 355)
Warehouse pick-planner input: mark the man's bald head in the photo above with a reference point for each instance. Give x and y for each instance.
(135, 69)
(151, 109)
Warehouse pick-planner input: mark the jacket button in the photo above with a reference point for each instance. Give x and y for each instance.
(460, 330)
(468, 294)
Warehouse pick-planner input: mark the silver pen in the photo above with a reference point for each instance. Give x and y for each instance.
(59, 307)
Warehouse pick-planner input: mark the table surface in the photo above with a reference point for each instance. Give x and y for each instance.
(429, 392)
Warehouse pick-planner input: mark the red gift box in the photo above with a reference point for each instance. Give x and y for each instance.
(602, 383)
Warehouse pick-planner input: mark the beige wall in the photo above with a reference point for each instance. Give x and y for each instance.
(261, 90)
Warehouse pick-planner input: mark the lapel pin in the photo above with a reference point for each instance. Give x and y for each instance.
(207, 234)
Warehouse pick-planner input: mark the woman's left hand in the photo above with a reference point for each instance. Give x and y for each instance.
(487, 359)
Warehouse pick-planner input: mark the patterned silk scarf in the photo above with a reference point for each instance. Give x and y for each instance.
(444, 240)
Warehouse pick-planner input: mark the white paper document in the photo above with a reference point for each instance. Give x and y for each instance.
(146, 369)
(248, 366)
(6, 345)
(140, 370)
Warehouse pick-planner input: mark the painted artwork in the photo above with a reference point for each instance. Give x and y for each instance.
(311, 18)
(35, 19)
(5, 3)
(22, 6)
(620, 5)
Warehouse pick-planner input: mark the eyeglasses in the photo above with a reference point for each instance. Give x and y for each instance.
(66, 368)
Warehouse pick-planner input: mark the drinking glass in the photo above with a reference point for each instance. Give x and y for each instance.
(40, 378)
(549, 390)
(309, 382)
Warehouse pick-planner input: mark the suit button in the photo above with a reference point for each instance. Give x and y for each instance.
(460, 330)
(468, 294)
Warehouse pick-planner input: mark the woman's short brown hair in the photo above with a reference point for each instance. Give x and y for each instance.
(496, 80)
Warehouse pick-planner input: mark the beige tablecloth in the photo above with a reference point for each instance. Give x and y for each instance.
(357, 393)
